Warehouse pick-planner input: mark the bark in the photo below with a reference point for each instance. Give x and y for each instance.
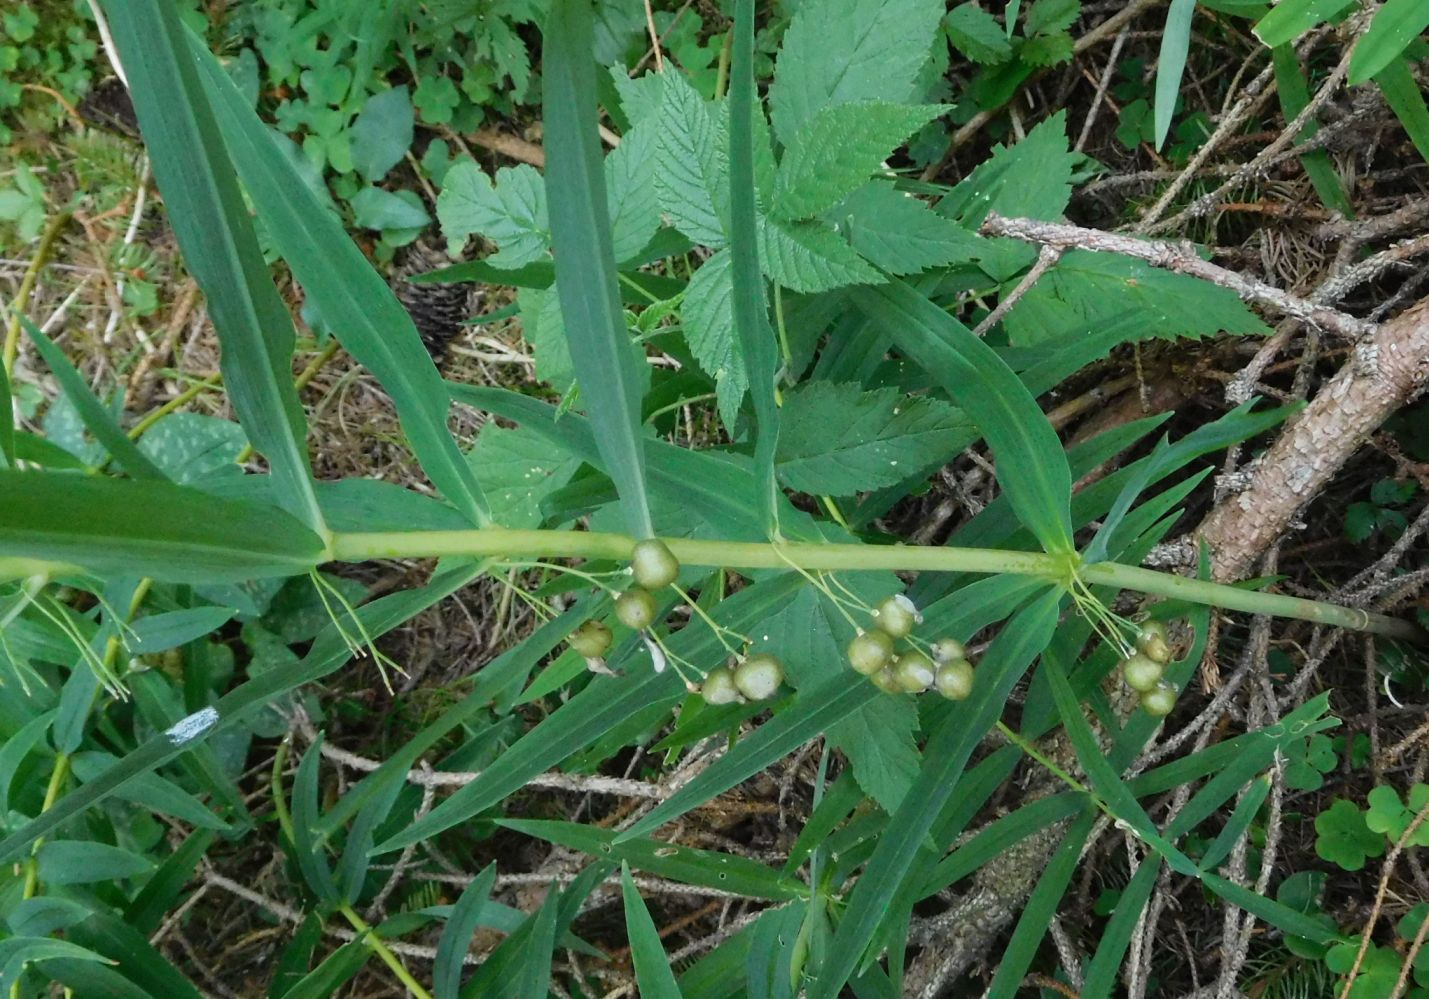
(1386, 371)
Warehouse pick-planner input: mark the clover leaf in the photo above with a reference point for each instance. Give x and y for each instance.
(1389, 815)
(1343, 838)
(1377, 974)
(1307, 761)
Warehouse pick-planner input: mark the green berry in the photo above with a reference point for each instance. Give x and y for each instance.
(1141, 672)
(954, 679)
(654, 565)
(758, 677)
(635, 608)
(591, 639)
(897, 615)
(1159, 700)
(885, 681)
(870, 652)
(719, 687)
(914, 672)
(945, 650)
(1151, 641)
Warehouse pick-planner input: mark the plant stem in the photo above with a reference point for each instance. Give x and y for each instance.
(374, 943)
(177, 402)
(780, 555)
(27, 287)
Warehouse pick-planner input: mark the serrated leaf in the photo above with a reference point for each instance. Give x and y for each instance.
(630, 186)
(543, 329)
(1032, 179)
(691, 165)
(1047, 16)
(1047, 50)
(976, 34)
(1085, 290)
(810, 257)
(640, 96)
(837, 51)
(838, 149)
(878, 740)
(707, 319)
(839, 439)
(520, 470)
(900, 233)
(510, 212)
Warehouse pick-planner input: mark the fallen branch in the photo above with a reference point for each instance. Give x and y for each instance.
(1389, 369)
(1182, 259)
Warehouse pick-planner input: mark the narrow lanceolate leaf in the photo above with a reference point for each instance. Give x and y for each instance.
(1406, 100)
(354, 300)
(7, 421)
(456, 935)
(1019, 642)
(1290, 19)
(218, 243)
(97, 419)
(585, 261)
(168, 532)
(1293, 90)
(1031, 465)
(1175, 44)
(838, 439)
(685, 864)
(838, 51)
(329, 651)
(652, 969)
(1397, 24)
(838, 149)
(751, 318)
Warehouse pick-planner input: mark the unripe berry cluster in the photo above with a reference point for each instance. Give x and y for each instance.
(1142, 671)
(874, 654)
(654, 567)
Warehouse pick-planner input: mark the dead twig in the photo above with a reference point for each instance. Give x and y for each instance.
(1180, 258)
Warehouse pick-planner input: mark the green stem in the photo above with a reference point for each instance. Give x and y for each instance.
(356, 547)
(27, 287)
(195, 390)
(374, 943)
